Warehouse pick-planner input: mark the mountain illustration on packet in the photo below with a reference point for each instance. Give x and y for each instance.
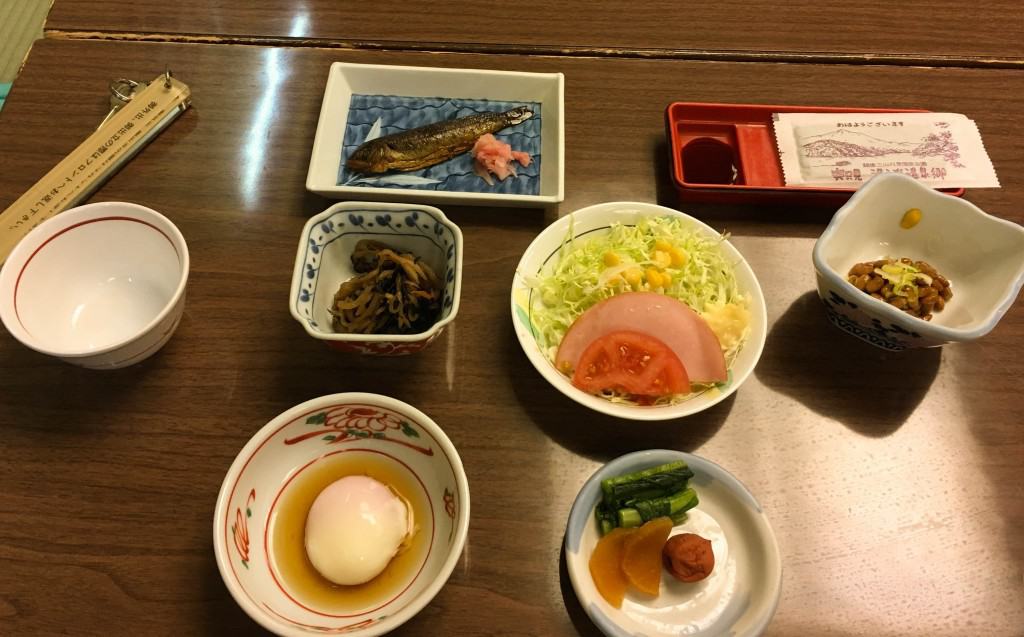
(842, 150)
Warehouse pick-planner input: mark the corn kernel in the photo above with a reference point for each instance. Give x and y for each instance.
(662, 245)
(611, 259)
(910, 218)
(633, 276)
(653, 278)
(666, 279)
(679, 257)
(661, 259)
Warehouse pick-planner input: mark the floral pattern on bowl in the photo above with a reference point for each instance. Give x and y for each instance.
(848, 316)
(323, 258)
(953, 235)
(299, 438)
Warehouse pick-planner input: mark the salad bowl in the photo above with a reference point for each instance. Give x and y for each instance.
(544, 253)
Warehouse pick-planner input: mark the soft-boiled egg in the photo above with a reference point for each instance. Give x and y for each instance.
(355, 527)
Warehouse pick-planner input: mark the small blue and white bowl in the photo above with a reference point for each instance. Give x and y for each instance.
(324, 261)
(982, 257)
(740, 595)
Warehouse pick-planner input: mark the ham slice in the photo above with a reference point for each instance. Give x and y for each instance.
(665, 318)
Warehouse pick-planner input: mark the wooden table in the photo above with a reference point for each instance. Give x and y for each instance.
(939, 31)
(892, 480)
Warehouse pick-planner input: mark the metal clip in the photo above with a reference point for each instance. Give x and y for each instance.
(121, 92)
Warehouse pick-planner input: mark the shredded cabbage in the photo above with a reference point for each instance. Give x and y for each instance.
(584, 274)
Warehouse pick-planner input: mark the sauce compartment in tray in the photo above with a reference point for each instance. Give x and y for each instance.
(726, 153)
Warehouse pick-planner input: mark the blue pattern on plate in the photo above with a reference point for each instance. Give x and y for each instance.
(399, 114)
(892, 337)
(345, 222)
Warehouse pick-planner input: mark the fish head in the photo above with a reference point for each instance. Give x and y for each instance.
(518, 115)
(371, 157)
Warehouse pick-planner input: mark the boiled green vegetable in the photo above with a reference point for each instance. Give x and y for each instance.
(643, 485)
(632, 499)
(676, 504)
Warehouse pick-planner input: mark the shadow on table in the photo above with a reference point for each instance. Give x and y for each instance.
(470, 216)
(323, 371)
(222, 614)
(869, 390)
(595, 435)
(577, 615)
(88, 402)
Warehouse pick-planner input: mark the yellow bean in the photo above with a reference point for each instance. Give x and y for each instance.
(862, 268)
(910, 218)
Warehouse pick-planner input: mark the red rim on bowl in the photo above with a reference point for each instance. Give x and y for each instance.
(339, 419)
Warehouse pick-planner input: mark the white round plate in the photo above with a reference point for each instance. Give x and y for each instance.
(740, 596)
(589, 222)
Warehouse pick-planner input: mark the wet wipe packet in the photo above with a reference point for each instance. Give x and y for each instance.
(842, 150)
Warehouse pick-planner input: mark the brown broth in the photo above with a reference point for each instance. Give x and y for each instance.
(288, 528)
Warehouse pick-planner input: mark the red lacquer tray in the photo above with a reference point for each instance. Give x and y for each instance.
(726, 153)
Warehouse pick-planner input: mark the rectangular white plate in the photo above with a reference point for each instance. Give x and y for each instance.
(346, 80)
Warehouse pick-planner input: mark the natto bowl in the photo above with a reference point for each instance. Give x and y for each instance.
(982, 256)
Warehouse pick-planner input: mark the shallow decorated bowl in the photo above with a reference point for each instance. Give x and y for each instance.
(101, 286)
(543, 254)
(324, 261)
(260, 514)
(982, 257)
(740, 595)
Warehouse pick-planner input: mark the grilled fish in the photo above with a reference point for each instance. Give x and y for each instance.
(431, 144)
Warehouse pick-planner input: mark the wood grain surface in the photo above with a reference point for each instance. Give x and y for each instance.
(863, 29)
(892, 480)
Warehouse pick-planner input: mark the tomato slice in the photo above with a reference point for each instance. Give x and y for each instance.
(632, 363)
